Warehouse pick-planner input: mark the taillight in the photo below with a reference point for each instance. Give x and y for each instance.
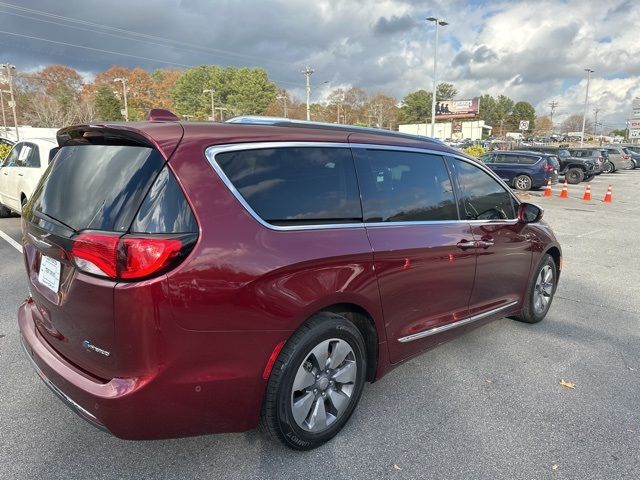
(626, 157)
(128, 257)
(145, 256)
(96, 253)
(548, 168)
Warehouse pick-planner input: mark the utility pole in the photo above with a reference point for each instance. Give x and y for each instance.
(12, 102)
(4, 119)
(284, 102)
(307, 73)
(213, 110)
(442, 23)
(586, 104)
(595, 121)
(124, 92)
(553, 106)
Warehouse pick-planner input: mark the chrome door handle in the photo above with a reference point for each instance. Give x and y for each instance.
(465, 244)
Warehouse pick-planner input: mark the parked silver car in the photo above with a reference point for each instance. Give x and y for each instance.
(620, 159)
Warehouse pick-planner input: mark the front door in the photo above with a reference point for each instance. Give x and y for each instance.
(422, 256)
(504, 252)
(9, 179)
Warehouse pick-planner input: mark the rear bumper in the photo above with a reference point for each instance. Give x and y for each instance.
(179, 400)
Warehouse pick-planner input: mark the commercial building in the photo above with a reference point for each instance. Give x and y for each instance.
(456, 130)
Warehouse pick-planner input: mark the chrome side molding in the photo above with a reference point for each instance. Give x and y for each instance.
(459, 323)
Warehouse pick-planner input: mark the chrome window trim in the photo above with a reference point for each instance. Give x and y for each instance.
(212, 151)
(459, 323)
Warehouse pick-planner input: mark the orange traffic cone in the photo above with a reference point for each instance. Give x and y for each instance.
(547, 191)
(607, 197)
(587, 193)
(565, 190)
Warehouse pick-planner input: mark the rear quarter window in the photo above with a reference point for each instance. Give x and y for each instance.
(295, 185)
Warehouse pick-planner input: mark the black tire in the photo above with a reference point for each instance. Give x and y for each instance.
(531, 314)
(588, 178)
(277, 411)
(4, 212)
(608, 168)
(522, 182)
(574, 176)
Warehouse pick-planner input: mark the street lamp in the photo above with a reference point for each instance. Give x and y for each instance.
(437, 22)
(586, 104)
(124, 92)
(222, 109)
(213, 110)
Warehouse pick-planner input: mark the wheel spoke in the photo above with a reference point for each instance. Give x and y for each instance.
(321, 354)
(339, 400)
(547, 275)
(346, 373)
(340, 351)
(318, 419)
(303, 379)
(302, 407)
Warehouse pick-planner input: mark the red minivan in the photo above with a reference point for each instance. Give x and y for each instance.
(194, 278)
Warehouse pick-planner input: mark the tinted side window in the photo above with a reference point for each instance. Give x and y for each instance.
(296, 185)
(527, 160)
(486, 158)
(501, 158)
(481, 196)
(165, 209)
(401, 186)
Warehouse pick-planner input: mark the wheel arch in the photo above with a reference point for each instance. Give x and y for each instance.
(557, 257)
(364, 322)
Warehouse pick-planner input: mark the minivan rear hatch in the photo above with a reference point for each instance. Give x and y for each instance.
(86, 203)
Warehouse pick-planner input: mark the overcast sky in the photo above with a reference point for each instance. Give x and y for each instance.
(530, 50)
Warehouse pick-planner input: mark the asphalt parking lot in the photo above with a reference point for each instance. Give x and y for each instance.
(488, 405)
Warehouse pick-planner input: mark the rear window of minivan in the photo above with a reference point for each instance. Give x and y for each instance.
(97, 187)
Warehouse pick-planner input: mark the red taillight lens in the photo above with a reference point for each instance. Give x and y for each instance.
(126, 257)
(97, 254)
(145, 256)
(548, 168)
(626, 157)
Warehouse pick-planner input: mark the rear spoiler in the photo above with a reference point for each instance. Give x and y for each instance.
(163, 136)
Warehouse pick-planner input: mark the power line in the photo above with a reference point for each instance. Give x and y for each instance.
(122, 31)
(111, 52)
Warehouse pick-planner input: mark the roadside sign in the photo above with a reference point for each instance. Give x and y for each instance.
(634, 124)
(524, 124)
(635, 133)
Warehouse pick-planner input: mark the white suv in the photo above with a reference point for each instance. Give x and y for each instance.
(20, 172)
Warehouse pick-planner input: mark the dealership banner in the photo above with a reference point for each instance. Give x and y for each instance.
(457, 108)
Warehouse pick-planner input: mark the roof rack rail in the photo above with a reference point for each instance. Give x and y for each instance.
(288, 122)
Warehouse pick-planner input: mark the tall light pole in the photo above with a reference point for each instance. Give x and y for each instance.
(586, 105)
(438, 22)
(284, 101)
(213, 110)
(307, 73)
(12, 102)
(124, 92)
(4, 119)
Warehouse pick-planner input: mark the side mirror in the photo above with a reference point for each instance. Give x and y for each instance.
(529, 213)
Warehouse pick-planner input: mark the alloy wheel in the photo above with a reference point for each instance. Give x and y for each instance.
(324, 385)
(523, 182)
(543, 290)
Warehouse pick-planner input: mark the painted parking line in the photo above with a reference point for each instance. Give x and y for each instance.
(11, 241)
